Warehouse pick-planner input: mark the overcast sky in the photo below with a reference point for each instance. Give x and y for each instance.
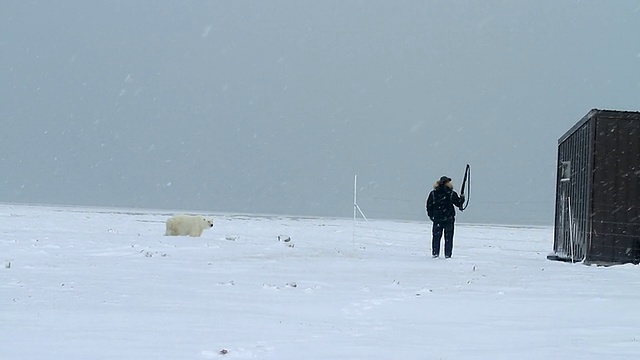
(274, 106)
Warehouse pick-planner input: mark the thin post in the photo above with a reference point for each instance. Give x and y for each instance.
(355, 199)
(361, 213)
(355, 196)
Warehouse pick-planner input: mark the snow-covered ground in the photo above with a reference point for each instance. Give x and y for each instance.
(79, 283)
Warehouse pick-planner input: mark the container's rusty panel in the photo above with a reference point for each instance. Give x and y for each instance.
(615, 215)
(571, 234)
(633, 178)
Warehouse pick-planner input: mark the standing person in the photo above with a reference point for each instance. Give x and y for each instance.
(440, 208)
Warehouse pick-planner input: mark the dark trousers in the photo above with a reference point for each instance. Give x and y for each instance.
(438, 229)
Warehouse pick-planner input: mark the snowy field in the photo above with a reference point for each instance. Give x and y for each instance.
(80, 283)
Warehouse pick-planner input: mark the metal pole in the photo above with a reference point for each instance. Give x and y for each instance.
(356, 208)
(355, 196)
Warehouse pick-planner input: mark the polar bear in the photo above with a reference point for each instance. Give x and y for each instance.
(183, 225)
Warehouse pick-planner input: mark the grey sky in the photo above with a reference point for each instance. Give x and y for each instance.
(274, 106)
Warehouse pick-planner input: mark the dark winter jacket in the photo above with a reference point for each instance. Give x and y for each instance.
(441, 201)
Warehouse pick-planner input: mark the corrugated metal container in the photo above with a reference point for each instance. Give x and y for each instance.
(597, 215)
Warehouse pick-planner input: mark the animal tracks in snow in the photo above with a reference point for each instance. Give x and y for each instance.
(250, 352)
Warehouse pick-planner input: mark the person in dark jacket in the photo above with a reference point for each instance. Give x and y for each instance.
(441, 211)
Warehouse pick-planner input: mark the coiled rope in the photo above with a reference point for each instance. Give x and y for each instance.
(466, 185)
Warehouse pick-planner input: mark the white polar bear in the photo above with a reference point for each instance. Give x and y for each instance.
(183, 225)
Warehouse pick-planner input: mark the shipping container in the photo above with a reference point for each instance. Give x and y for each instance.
(597, 212)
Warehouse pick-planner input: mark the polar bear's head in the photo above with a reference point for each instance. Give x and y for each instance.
(208, 222)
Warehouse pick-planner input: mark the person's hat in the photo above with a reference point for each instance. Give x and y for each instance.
(444, 179)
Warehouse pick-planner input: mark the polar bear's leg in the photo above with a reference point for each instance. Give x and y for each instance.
(174, 226)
